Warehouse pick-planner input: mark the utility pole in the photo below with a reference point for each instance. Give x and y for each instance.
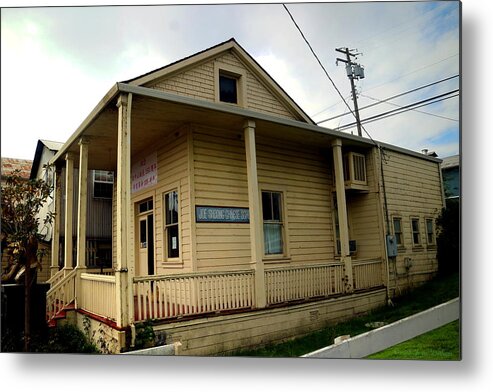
(353, 71)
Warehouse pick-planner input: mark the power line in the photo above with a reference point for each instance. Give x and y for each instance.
(412, 106)
(425, 102)
(315, 55)
(397, 78)
(418, 111)
(414, 71)
(393, 97)
(321, 65)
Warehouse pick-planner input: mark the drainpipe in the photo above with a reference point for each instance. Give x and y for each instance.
(387, 221)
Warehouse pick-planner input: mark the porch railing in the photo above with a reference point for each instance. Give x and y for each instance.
(367, 274)
(161, 297)
(303, 282)
(98, 294)
(58, 276)
(61, 294)
(171, 296)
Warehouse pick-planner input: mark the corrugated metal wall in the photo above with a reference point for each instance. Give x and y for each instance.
(99, 217)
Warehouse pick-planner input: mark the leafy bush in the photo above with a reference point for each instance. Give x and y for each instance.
(144, 335)
(65, 339)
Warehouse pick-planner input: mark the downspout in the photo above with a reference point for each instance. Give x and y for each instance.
(387, 221)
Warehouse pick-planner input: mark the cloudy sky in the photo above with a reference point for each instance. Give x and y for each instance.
(57, 63)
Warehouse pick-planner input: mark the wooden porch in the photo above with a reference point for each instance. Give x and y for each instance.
(192, 295)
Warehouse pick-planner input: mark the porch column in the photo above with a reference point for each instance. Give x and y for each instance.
(55, 235)
(342, 212)
(124, 293)
(255, 216)
(69, 205)
(82, 204)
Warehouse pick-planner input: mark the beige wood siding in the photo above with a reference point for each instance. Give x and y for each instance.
(172, 163)
(196, 83)
(304, 176)
(223, 335)
(220, 180)
(413, 189)
(365, 224)
(199, 82)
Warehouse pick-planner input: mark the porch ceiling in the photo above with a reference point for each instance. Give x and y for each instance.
(154, 119)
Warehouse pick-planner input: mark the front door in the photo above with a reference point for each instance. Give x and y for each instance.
(145, 229)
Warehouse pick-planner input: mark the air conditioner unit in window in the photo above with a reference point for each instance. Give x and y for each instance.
(354, 165)
(352, 247)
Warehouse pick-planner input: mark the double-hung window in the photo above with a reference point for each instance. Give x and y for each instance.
(397, 222)
(171, 224)
(103, 184)
(430, 233)
(415, 231)
(273, 223)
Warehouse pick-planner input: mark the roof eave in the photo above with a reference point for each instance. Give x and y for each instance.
(110, 95)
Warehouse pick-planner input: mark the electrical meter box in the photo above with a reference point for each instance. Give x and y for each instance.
(391, 245)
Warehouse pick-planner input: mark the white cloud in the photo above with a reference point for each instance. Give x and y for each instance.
(57, 63)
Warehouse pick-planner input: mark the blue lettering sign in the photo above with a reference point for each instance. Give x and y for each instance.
(221, 214)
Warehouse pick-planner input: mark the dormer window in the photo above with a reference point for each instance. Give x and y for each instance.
(228, 89)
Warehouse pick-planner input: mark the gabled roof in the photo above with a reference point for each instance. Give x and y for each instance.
(214, 51)
(50, 145)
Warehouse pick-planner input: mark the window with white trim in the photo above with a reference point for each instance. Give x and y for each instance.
(171, 229)
(103, 184)
(397, 223)
(230, 84)
(273, 223)
(430, 231)
(415, 231)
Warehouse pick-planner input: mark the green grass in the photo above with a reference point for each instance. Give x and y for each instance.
(441, 344)
(433, 293)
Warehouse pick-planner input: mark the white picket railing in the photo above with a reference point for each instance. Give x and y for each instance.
(98, 295)
(367, 274)
(58, 276)
(303, 282)
(161, 297)
(171, 296)
(61, 294)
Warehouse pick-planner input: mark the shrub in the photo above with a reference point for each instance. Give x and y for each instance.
(65, 339)
(448, 239)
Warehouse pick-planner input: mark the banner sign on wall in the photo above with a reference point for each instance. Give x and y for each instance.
(144, 173)
(222, 214)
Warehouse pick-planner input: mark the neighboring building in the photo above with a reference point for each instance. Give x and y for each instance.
(451, 177)
(99, 210)
(236, 220)
(9, 165)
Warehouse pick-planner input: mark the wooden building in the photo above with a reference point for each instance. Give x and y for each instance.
(99, 209)
(451, 178)
(236, 220)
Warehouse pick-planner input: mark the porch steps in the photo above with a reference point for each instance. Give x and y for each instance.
(61, 314)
